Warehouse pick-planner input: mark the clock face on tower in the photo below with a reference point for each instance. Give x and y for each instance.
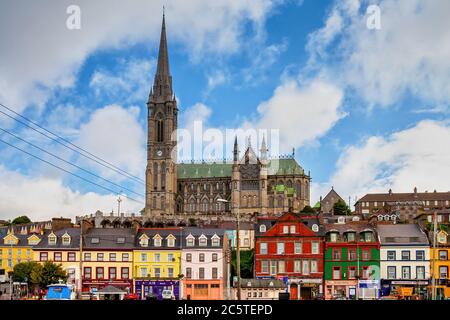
(159, 153)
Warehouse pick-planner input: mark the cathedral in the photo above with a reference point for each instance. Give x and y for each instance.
(251, 185)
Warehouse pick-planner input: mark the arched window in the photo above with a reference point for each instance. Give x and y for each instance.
(271, 202)
(192, 206)
(163, 175)
(159, 128)
(163, 203)
(179, 206)
(280, 202)
(154, 202)
(244, 202)
(155, 176)
(205, 205)
(262, 228)
(289, 184)
(298, 189)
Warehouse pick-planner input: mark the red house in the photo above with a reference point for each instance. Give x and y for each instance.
(291, 248)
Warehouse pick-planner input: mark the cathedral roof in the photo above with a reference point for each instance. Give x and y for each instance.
(217, 170)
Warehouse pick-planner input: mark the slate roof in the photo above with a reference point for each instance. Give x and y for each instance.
(164, 233)
(74, 241)
(208, 232)
(107, 238)
(401, 234)
(221, 169)
(420, 196)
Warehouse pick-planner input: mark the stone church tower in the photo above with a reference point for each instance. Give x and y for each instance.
(161, 172)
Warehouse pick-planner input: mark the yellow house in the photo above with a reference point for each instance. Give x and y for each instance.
(440, 264)
(157, 262)
(61, 247)
(14, 249)
(107, 259)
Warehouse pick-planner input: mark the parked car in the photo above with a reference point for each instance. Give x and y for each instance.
(167, 295)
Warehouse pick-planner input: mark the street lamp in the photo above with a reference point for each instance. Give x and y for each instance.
(238, 252)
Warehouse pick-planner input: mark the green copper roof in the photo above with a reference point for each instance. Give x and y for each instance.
(317, 205)
(215, 170)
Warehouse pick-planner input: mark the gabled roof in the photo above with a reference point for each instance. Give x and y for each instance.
(74, 241)
(108, 238)
(402, 234)
(153, 233)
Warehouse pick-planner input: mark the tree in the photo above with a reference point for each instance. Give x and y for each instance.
(308, 209)
(48, 273)
(340, 208)
(22, 271)
(21, 220)
(247, 257)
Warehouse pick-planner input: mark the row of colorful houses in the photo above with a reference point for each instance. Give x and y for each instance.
(305, 255)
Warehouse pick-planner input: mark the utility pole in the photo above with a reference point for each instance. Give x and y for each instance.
(238, 254)
(433, 274)
(228, 254)
(81, 260)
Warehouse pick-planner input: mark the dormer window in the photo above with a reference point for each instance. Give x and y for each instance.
(341, 220)
(333, 236)
(262, 228)
(351, 236)
(367, 236)
(442, 238)
(157, 241)
(52, 239)
(95, 240)
(143, 242)
(121, 240)
(190, 241)
(66, 239)
(202, 241)
(215, 241)
(171, 241)
(292, 229)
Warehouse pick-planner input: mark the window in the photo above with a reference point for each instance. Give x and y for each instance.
(95, 240)
(262, 228)
(216, 242)
(87, 273)
(170, 272)
(443, 272)
(201, 273)
(125, 273)
(144, 272)
(66, 240)
(143, 257)
(285, 229)
(43, 256)
(264, 266)
(314, 266)
(391, 272)
(202, 242)
(297, 266)
(157, 242)
(112, 273)
(280, 248)
(391, 255)
(352, 255)
(188, 273)
(190, 242)
(99, 273)
(443, 255)
(406, 272)
(214, 257)
(351, 272)
(189, 257)
(405, 255)
(171, 242)
(305, 266)
(281, 266)
(336, 255)
(52, 239)
(366, 272)
(201, 257)
(273, 267)
(157, 272)
(365, 255)
(246, 242)
(58, 256)
(420, 272)
(214, 273)
(71, 256)
(333, 237)
(125, 257)
(100, 256)
(157, 257)
(297, 247)
(315, 248)
(263, 248)
(420, 255)
(336, 273)
(170, 257)
(87, 257)
(144, 242)
(292, 229)
(350, 236)
(112, 257)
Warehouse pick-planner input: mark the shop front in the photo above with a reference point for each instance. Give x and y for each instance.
(305, 289)
(405, 289)
(368, 289)
(340, 289)
(147, 289)
(91, 287)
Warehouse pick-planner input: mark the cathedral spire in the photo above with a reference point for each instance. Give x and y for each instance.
(235, 150)
(162, 85)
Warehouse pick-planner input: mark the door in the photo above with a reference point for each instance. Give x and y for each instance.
(305, 293)
(293, 292)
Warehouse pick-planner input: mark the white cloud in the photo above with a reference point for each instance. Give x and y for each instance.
(41, 198)
(130, 82)
(114, 134)
(415, 157)
(40, 54)
(408, 56)
(215, 78)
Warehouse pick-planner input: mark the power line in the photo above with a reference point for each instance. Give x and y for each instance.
(68, 162)
(86, 153)
(67, 171)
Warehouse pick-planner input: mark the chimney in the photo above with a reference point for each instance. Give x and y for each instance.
(415, 189)
(390, 191)
(61, 223)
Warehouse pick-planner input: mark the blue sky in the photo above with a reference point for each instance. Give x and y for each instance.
(366, 110)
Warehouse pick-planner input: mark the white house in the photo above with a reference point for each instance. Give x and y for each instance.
(404, 260)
